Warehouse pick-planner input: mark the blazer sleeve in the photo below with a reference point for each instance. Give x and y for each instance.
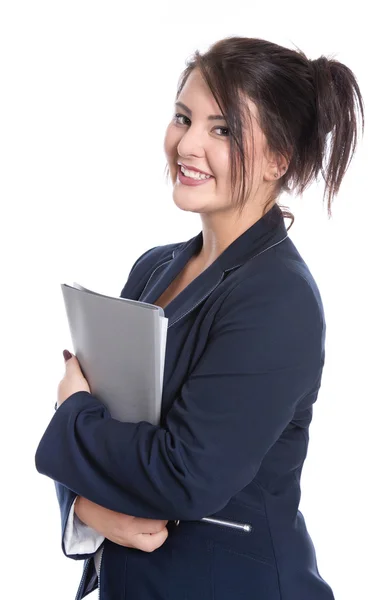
(262, 360)
(77, 540)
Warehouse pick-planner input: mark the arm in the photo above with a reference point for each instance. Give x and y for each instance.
(263, 357)
(89, 524)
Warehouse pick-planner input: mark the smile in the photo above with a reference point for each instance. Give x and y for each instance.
(192, 178)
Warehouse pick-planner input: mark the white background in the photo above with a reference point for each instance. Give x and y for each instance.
(87, 90)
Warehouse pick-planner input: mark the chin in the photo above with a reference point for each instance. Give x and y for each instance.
(184, 201)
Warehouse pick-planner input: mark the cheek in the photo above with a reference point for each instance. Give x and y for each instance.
(170, 144)
(171, 141)
(222, 167)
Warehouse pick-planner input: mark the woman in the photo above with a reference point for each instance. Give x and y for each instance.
(245, 351)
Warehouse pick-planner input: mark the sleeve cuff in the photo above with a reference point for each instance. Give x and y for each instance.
(80, 538)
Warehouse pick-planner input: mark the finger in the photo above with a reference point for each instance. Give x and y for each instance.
(139, 525)
(150, 542)
(72, 366)
(67, 355)
(69, 362)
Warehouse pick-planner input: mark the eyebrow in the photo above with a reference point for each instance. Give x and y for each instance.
(210, 118)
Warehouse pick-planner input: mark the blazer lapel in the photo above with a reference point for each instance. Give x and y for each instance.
(265, 233)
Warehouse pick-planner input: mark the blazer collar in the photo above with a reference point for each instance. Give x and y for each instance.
(265, 233)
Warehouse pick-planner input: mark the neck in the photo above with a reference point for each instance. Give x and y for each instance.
(221, 229)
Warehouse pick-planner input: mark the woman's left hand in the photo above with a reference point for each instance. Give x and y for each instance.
(73, 381)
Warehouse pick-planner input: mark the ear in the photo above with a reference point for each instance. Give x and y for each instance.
(275, 166)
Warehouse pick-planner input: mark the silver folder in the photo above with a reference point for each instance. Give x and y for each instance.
(120, 345)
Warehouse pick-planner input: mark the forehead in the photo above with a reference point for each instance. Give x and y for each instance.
(199, 98)
(197, 95)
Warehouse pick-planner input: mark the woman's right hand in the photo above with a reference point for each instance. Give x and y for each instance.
(122, 529)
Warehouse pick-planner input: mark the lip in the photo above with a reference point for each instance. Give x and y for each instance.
(193, 169)
(188, 181)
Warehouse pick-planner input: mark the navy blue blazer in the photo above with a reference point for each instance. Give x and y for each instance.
(244, 360)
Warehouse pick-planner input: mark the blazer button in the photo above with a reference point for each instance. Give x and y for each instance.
(177, 522)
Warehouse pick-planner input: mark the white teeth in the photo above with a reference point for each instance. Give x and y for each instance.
(194, 174)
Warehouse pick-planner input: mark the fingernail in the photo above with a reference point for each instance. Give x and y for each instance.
(67, 355)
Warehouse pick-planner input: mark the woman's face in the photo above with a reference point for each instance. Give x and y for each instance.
(197, 141)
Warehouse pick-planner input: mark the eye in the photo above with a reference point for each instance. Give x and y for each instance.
(178, 116)
(224, 129)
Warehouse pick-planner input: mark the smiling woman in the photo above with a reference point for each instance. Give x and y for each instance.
(245, 349)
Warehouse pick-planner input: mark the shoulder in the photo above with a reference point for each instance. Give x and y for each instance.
(278, 300)
(280, 279)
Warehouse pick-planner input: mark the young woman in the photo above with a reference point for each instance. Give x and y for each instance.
(244, 358)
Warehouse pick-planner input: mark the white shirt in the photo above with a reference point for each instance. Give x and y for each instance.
(82, 539)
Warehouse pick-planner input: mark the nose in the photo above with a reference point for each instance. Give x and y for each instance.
(191, 143)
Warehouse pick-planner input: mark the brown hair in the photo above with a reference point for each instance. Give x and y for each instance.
(299, 102)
